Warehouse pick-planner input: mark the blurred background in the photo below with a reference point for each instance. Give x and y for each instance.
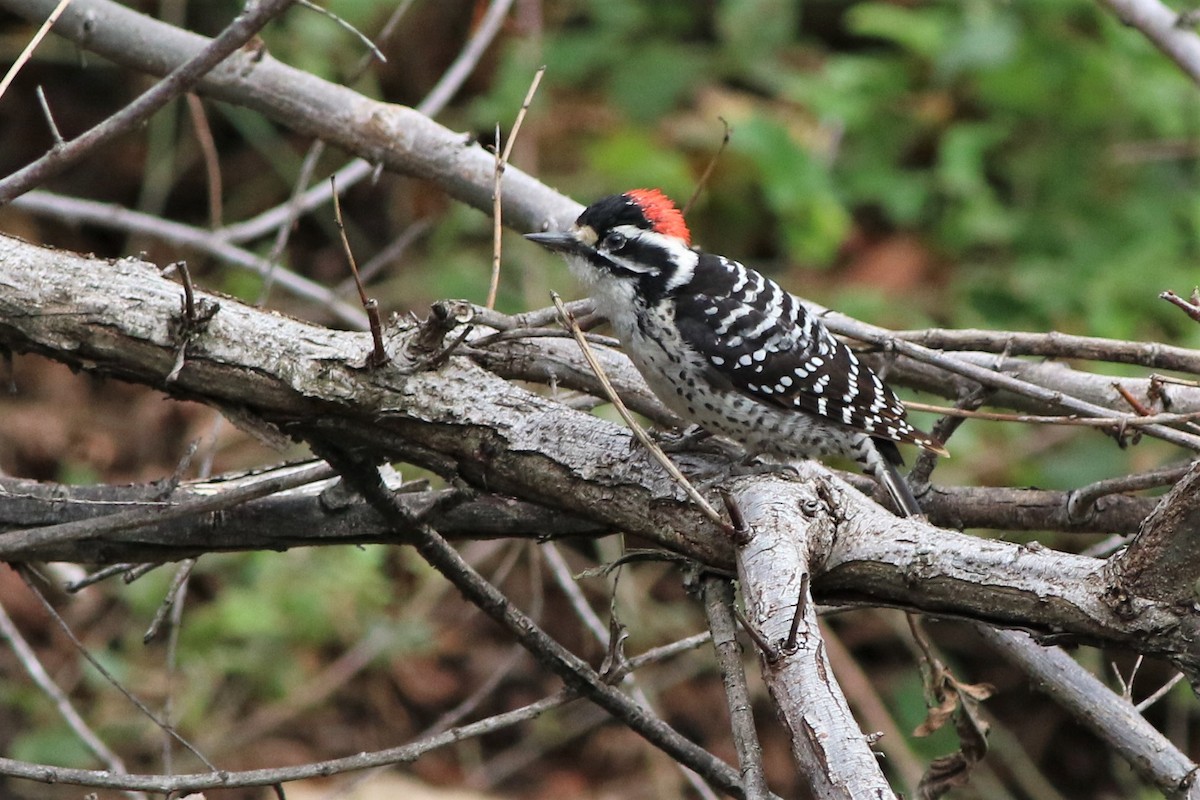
(1010, 165)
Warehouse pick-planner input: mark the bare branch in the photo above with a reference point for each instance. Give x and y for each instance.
(349, 175)
(569, 667)
(180, 784)
(465, 422)
(1057, 345)
(717, 596)
(1161, 561)
(298, 518)
(19, 542)
(1160, 25)
(399, 138)
(1110, 717)
(181, 79)
(957, 364)
(830, 750)
(29, 660)
(23, 58)
(74, 211)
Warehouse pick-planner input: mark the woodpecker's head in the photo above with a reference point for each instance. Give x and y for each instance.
(639, 235)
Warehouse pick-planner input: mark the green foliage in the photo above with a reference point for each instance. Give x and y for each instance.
(798, 189)
(1034, 151)
(1017, 140)
(57, 745)
(269, 609)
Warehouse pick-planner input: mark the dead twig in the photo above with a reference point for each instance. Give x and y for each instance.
(497, 185)
(379, 355)
(184, 77)
(638, 431)
(1191, 306)
(25, 55)
(708, 170)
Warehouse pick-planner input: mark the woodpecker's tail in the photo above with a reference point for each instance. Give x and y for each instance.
(897, 487)
(882, 462)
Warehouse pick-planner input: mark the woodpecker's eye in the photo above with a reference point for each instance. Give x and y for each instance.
(614, 241)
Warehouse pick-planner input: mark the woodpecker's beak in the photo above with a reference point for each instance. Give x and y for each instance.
(557, 241)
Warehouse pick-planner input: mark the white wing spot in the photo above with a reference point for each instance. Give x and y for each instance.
(744, 360)
(717, 360)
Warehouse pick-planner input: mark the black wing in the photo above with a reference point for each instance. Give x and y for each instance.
(772, 349)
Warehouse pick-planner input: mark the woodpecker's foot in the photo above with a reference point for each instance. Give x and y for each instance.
(751, 466)
(678, 441)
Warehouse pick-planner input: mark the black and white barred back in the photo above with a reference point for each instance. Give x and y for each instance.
(727, 348)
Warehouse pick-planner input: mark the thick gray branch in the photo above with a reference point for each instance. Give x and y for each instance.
(459, 420)
(774, 568)
(1008, 585)
(1161, 26)
(398, 137)
(474, 426)
(1112, 718)
(1161, 561)
(297, 518)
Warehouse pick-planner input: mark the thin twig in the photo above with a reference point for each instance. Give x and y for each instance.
(708, 170)
(366, 41)
(173, 595)
(108, 676)
(269, 777)
(390, 253)
(1190, 307)
(717, 595)
(1127, 421)
(180, 80)
(502, 159)
(25, 55)
(1159, 693)
(457, 73)
(29, 660)
(41, 96)
(1054, 344)
(638, 432)
(379, 355)
(433, 104)
(802, 599)
(212, 162)
(284, 233)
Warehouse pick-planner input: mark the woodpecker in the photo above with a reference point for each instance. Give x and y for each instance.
(729, 349)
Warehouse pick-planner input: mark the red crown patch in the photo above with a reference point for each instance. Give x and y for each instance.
(661, 213)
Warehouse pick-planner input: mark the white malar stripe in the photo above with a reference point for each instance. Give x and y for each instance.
(684, 261)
